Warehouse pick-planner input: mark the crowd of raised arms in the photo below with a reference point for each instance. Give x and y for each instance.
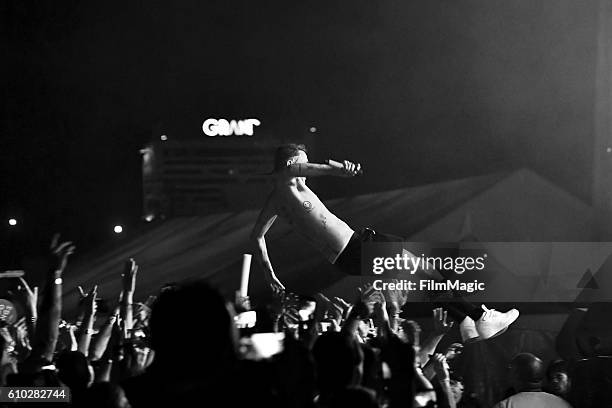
(188, 346)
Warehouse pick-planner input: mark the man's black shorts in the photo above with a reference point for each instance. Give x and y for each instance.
(349, 260)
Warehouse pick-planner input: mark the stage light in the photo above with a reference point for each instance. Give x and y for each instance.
(313, 129)
(118, 229)
(12, 222)
(163, 137)
(149, 218)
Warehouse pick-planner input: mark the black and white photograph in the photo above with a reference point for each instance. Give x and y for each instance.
(306, 204)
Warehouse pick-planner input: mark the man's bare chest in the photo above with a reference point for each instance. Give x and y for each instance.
(298, 202)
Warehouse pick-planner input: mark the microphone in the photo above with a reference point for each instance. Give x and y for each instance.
(339, 165)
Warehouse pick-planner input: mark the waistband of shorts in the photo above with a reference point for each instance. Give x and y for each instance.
(365, 234)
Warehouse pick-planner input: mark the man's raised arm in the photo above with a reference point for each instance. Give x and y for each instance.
(332, 168)
(47, 327)
(266, 218)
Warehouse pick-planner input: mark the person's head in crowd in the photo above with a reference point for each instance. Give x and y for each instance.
(42, 378)
(74, 370)
(289, 154)
(526, 372)
(354, 397)
(192, 323)
(558, 379)
(106, 395)
(339, 362)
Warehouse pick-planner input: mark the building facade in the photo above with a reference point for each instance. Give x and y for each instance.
(210, 174)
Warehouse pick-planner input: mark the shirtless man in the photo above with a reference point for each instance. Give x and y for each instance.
(300, 207)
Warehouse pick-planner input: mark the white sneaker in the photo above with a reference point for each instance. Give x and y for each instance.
(468, 331)
(493, 323)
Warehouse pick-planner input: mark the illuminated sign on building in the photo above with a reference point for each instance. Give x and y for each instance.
(223, 127)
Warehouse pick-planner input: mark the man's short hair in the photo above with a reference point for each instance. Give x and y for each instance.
(528, 368)
(73, 369)
(336, 356)
(199, 311)
(285, 152)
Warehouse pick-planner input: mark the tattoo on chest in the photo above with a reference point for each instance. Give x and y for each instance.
(307, 206)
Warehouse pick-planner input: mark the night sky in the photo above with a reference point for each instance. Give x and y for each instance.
(417, 91)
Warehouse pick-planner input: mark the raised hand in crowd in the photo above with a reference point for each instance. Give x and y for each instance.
(343, 304)
(22, 340)
(8, 364)
(440, 366)
(362, 308)
(72, 330)
(135, 360)
(128, 279)
(119, 352)
(67, 337)
(142, 312)
(113, 351)
(60, 251)
(290, 316)
(396, 299)
(241, 303)
(329, 311)
(381, 319)
(102, 339)
(88, 302)
(31, 305)
(7, 339)
(441, 325)
(47, 326)
(441, 369)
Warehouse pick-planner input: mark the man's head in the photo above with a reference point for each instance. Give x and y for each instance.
(289, 154)
(339, 361)
(191, 322)
(74, 370)
(106, 395)
(558, 378)
(527, 372)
